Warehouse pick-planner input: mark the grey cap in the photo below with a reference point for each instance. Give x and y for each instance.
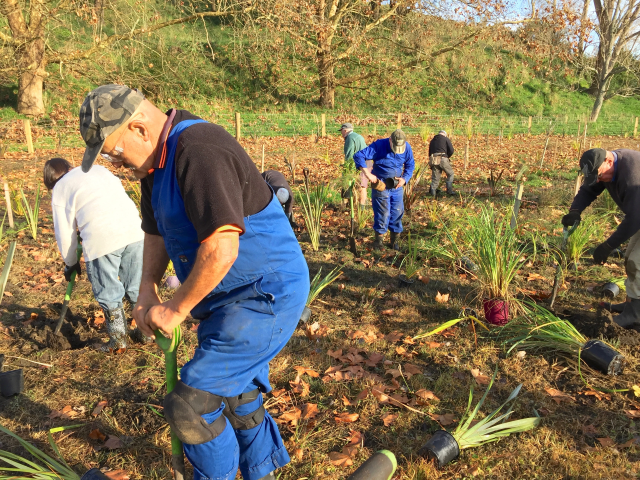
(442, 132)
(283, 195)
(346, 126)
(103, 111)
(398, 141)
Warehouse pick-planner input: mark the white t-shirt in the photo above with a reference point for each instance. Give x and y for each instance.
(96, 204)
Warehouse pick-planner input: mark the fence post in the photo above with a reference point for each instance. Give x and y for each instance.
(529, 128)
(399, 121)
(323, 119)
(238, 126)
(635, 128)
(578, 184)
(7, 197)
(27, 133)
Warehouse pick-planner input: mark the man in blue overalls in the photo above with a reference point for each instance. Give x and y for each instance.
(393, 166)
(206, 207)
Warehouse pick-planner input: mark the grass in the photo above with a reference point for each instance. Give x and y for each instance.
(349, 315)
(31, 214)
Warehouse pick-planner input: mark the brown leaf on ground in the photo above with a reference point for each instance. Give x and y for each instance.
(400, 397)
(394, 372)
(442, 298)
(346, 401)
(99, 407)
(335, 353)
(117, 475)
(350, 450)
(632, 413)
(598, 395)
(401, 350)
(424, 279)
(388, 419)
(393, 337)
(431, 344)
(355, 438)
(308, 371)
(374, 359)
(355, 335)
(387, 312)
(97, 435)
(606, 442)
(444, 420)
(346, 417)
(113, 443)
(315, 331)
(300, 387)
(535, 276)
(559, 396)
(298, 453)
(413, 369)
(426, 395)
(479, 377)
(291, 416)
(340, 459)
(631, 442)
(309, 411)
(363, 394)
(408, 341)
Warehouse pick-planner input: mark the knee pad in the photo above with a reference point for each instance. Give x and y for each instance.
(243, 422)
(183, 409)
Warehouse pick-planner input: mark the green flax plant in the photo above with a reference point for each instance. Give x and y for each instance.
(578, 241)
(319, 283)
(31, 214)
(313, 202)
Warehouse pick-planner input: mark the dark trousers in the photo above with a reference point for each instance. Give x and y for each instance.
(436, 172)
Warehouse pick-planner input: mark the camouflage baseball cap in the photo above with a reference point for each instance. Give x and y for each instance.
(103, 111)
(398, 141)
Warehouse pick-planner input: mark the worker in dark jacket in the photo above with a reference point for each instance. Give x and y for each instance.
(283, 192)
(393, 166)
(618, 172)
(440, 151)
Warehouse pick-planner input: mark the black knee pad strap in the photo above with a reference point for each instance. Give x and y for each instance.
(243, 422)
(183, 409)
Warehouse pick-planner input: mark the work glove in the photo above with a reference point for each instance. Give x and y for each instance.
(601, 253)
(571, 218)
(70, 269)
(379, 185)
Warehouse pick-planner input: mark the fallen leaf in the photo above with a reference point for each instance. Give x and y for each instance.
(424, 280)
(291, 416)
(630, 442)
(393, 337)
(431, 344)
(300, 387)
(346, 417)
(535, 276)
(442, 298)
(388, 419)
(309, 411)
(350, 450)
(308, 371)
(479, 377)
(374, 359)
(444, 420)
(394, 372)
(632, 413)
(117, 475)
(426, 395)
(346, 401)
(97, 435)
(606, 442)
(101, 404)
(412, 369)
(387, 312)
(355, 438)
(340, 459)
(636, 390)
(363, 394)
(315, 331)
(335, 353)
(559, 396)
(113, 443)
(298, 453)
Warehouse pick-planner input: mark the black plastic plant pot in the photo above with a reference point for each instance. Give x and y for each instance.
(610, 290)
(390, 183)
(380, 466)
(465, 264)
(94, 474)
(600, 356)
(405, 281)
(11, 383)
(306, 314)
(442, 447)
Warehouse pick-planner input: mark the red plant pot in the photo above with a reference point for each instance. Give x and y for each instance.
(496, 311)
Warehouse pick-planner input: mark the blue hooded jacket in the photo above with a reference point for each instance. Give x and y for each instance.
(386, 164)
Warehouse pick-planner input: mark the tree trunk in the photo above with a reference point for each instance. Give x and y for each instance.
(597, 105)
(99, 8)
(583, 21)
(30, 93)
(327, 80)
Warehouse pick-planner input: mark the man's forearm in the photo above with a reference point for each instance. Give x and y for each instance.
(215, 258)
(154, 262)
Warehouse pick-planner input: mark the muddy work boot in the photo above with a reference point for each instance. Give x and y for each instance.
(614, 307)
(377, 242)
(270, 476)
(116, 324)
(393, 241)
(630, 316)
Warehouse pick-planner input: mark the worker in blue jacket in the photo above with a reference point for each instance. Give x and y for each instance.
(393, 166)
(205, 207)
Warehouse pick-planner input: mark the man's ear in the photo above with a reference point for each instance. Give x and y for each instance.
(138, 126)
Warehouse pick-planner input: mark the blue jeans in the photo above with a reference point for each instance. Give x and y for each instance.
(115, 275)
(388, 209)
(236, 342)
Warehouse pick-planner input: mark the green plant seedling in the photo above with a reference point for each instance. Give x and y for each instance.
(31, 214)
(319, 283)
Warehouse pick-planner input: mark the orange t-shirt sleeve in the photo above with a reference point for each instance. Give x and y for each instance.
(224, 228)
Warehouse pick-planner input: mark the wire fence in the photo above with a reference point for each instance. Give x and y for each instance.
(48, 134)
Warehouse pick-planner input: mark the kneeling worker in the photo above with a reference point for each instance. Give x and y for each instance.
(393, 166)
(618, 172)
(206, 207)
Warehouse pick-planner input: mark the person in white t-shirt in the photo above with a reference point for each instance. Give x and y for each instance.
(96, 205)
